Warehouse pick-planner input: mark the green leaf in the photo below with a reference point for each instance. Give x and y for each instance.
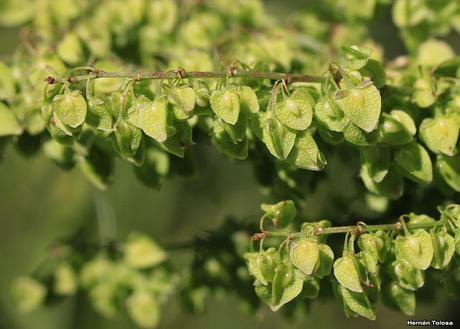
(402, 298)
(226, 105)
(406, 275)
(278, 139)
(396, 128)
(347, 274)
(324, 264)
(140, 252)
(70, 108)
(143, 309)
(70, 49)
(98, 114)
(248, 99)
(286, 286)
(182, 100)
(226, 144)
(27, 293)
(151, 117)
(375, 71)
(296, 111)
(362, 106)
(443, 247)
(305, 153)
(97, 167)
(377, 160)
(416, 249)
(355, 135)
(392, 186)
(449, 169)
(358, 303)
(440, 134)
(8, 123)
(413, 161)
(65, 280)
(329, 115)
(253, 262)
(128, 138)
(281, 213)
(7, 87)
(354, 57)
(304, 255)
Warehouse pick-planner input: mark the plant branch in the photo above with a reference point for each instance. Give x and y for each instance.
(182, 74)
(357, 229)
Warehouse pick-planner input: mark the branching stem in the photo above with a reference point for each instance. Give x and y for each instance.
(182, 74)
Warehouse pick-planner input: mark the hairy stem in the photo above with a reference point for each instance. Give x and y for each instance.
(182, 74)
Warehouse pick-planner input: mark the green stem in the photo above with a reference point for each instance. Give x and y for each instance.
(182, 74)
(362, 229)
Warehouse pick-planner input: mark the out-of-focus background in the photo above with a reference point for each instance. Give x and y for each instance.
(40, 203)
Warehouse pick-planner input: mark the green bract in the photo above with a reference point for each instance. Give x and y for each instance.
(281, 213)
(413, 161)
(296, 111)
(362, 106)
(306, 154)
(347, 273)
(142, 252)
(226, 105)
(304, 255)
(151, 117)
(449, 169)
(70, 108)
(440, 134)
(416, 249)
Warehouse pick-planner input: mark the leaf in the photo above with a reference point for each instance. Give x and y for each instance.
(143, 309)
(440, 134)
(416, 249)
(443, 247)
(304, 255)
(413, 161)
(226, 145)
(324, 264)
(7, 87)
(396, 128)
(151, 117)
(97, 167)
(70, 108)
(141, 252)
(377, 160)
(281, 213)
(98, 114)
(278, 139)
(354, 57)
(449, 169)
(226, 105)
(65, 280)
(305, 153)
(358, 303)
(296, 112)
(406, 275)
(288, 293)
(355, 135)
(402, 298)
(27, 293)
(347, 274)
(392, 186)
(375, 71)
(182, 100)
(329, 115)
(248, 99)
(362, 106)
(8, 123)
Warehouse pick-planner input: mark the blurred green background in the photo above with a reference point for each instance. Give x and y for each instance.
(40, 203)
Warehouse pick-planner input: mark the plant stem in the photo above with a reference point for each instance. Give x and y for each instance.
(357, 229)
(182, 74)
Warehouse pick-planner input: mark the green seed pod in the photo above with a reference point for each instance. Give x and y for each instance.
(406, 275)
(440, 134)
(413, 162)
(296, 111)
(347, 273)
(142, 252)
(401, 298)
(226, 105)
(416, 249)
(65, 280)
(281, 213)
